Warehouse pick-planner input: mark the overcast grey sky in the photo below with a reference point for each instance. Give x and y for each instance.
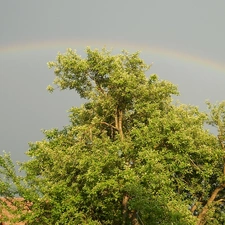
(184, 38)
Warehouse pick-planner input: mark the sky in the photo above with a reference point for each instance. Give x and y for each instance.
(183, 39)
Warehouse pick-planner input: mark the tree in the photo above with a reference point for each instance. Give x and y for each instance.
(129, 155)
(213, 205)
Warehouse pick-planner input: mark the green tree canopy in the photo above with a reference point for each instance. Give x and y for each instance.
(129, 155)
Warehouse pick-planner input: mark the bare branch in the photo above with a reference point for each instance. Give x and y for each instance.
(110, 125)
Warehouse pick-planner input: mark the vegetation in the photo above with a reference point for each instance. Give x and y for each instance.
(129, 156)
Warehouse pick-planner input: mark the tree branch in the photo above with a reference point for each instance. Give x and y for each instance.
(110, 125)
(193, 163)
(201, 216)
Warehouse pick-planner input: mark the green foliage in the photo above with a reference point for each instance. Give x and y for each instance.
(129, 155)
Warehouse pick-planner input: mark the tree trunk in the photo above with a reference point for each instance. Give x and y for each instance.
(125, 208)
(134, 218)
(119, 122)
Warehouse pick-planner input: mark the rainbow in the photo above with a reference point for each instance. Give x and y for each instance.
(143, 48)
